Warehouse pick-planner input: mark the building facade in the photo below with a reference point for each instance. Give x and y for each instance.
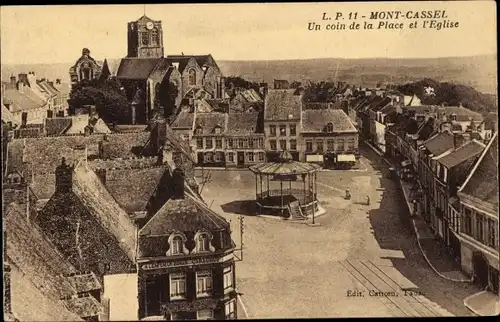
(186, 269)
(478, 230)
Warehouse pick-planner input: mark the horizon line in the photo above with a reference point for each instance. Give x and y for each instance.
(283, 59)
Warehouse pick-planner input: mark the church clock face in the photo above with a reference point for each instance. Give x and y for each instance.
(149, 25)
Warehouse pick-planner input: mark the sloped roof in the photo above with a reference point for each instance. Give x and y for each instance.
(85, 306)
(184, 119)
(99, 202)
(7, 116)
(21, 101)
(282, 105)
(463, 114)
(35, 256)
(290, 167)
(469, 150)
(208, 121)
(378, 106)
(181, 60)
(30, 304)
(57, 125)
(84, 282)
(426, 129)
(316, 121)
(125, 145)
(482, 183)
(242, 123)
(201, 59)
(183, 215)
(251, 96)
(43, 185)
(133, 188)
(136, 68)
(440, 143)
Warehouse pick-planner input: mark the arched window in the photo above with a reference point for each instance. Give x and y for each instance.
(329, 127)
(176, 245)
(145, 38)
(155, 38)
(192, 77)
(203, 243)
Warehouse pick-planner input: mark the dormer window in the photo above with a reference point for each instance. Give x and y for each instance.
(177, 242)
(203, 243)
(453, 117)
(176, 245)
(192, 77)
(329, 127)
(203, 240)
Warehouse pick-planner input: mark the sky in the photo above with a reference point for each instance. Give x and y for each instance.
(55, 34)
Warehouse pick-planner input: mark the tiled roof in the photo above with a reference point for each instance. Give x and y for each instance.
(7, 116)
(85, 306)
(15, 158)
(79, 122)
(251, 96)
(463, 114)
(145, 162)
(30, 304)
(43, 185)
(57, 125)
(125, 145)
(183, 120)
(181, 60)
(136, 68)
(84, 282)
(468, 151)
(217, 104)
(133, 188)
(378, 106)
(21, 101)
(185, 215)
(483, 181)
(316, 121)
(129, 128)
(99, 202)
(201, 59)
(208, 121)
(282, 105)
(37, 259)
(440, 143)
(242, 122)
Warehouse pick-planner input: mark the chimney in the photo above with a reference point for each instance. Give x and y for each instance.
(32, 78)
(58, 81)
(178, 184)
(64, 177)
(101, 174)
(12, 79)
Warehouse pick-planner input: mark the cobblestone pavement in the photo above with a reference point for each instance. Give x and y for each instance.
(293, 270)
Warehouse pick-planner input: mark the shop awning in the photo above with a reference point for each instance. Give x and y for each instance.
(346, 158)
(314, 158)
(405, 163)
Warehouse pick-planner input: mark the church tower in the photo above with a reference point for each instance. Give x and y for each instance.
(145, 38)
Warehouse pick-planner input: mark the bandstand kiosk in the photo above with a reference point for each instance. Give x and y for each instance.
(286, 188)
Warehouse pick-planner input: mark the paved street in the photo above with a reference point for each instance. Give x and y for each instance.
(291, 270)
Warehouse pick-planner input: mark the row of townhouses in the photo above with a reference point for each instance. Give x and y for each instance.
(238, 136)
(451, 152)
(28, 100)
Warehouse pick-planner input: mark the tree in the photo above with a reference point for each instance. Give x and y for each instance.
(167, 98)
(110, 101)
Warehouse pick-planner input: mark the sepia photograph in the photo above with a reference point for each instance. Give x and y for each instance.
(249, 161)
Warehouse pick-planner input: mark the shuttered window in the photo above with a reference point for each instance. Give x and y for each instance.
(177, 286)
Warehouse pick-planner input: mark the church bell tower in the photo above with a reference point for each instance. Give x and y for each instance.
(145, 38)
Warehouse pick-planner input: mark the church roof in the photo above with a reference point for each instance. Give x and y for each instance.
(136, 68)
(181, 60)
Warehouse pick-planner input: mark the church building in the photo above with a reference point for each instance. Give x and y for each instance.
(154, 83)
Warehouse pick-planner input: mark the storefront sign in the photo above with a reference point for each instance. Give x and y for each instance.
(314, 158)
(186, 262)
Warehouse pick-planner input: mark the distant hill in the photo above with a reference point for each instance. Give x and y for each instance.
(478, 72)
(451, 94)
